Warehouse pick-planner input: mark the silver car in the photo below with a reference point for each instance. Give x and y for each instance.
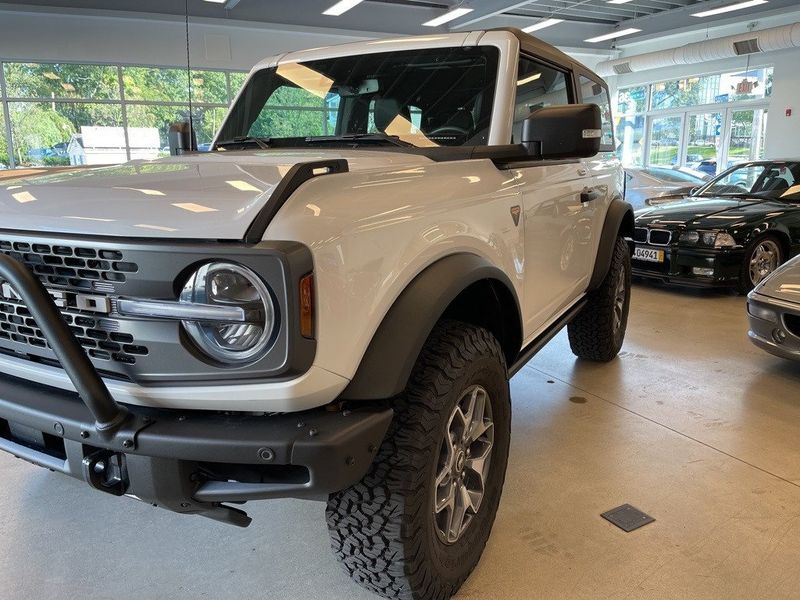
(774, 312)
(645, 186)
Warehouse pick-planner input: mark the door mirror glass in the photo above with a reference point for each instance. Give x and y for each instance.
(560, 132)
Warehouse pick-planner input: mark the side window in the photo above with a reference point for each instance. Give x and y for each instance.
(595, 93)
(537, 86)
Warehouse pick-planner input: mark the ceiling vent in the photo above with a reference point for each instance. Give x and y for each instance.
(746, 47)
(622, 68)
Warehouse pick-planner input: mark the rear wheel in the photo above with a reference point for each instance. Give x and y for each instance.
(416, 525)
(762, 257)
(597, 333)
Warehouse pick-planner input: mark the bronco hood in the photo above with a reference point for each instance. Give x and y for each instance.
(707, 212)
(200, 196)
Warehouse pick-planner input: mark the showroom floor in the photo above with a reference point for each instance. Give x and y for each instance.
(692, 424)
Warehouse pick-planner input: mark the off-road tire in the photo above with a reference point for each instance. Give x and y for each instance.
(383, 529)
(596, 334)
(745, 284)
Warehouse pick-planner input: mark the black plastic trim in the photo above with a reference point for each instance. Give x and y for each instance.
(294, 178)
(548, 334)
(619, 221)
(393, 351)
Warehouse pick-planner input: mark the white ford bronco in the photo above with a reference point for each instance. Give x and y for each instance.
(329, 304)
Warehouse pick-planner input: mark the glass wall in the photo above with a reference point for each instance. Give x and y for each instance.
(708, 122)
(54, 114)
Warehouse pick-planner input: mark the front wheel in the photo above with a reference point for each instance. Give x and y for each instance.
(599, 329)
(761, 258)
(416, 525)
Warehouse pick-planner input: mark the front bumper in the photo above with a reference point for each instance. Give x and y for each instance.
(781, 336)
(192, 462)
(679, 262)
(189, 462)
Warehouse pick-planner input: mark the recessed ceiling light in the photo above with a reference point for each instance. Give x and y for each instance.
(447, 17)
(619, 1)
(217, 1)
(543, 24)
(729, 8)
(342, 7)
(611, 36)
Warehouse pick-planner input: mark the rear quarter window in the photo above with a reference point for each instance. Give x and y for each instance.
(593, 92)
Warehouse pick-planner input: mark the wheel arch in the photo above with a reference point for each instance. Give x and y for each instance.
(619, 221)
(464, 287)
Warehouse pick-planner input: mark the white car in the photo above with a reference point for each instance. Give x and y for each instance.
(331, 315)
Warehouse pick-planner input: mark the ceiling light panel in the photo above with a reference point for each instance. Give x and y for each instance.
(447, 17)
(613, 35)
(729, 8)
(542, 25)
(342, 7)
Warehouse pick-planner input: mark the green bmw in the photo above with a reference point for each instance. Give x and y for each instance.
(733, 231)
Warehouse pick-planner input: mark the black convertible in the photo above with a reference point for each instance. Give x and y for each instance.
(733, 231)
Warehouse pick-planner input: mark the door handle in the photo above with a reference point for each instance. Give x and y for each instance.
(589, 194)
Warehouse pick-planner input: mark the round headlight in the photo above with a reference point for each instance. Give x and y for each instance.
(230, 285)
(689, 237)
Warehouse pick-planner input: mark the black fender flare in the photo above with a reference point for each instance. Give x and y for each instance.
(386, 366)
(619, 221)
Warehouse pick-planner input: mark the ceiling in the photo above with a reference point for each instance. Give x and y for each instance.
(582, 19)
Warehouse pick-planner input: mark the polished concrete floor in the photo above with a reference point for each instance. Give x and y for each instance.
(691, 424)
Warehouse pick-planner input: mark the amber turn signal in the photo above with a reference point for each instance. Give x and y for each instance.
(307, 306)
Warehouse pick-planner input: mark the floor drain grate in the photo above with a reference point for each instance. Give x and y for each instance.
(627, 517)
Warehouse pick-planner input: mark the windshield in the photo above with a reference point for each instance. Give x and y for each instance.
(430, 97)
(777, 181)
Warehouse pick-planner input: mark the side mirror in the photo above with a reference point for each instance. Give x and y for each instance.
(568, 131)
(182, 139)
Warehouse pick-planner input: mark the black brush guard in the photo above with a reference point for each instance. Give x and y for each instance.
(185, 461)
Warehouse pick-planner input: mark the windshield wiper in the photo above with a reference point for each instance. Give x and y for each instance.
(262, 143)
(360, 137)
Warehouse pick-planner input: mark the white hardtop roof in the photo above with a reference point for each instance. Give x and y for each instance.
(437, 40)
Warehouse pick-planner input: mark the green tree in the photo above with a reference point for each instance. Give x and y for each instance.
(53, 80)
(4, 158)
(37, 126)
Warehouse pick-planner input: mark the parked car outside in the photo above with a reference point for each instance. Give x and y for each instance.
(734, 231)
(645, 183)
(773, 309)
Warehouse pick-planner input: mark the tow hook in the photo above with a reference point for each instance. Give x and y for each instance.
(106, 471)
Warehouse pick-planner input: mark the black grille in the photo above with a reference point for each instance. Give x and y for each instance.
(792, 323)
(99, 336)
(657, 237)
(660, 237)
(73, 267)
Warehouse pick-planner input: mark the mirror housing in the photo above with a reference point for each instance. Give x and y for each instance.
(561, 132)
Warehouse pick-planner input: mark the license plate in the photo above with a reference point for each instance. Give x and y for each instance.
(648, 254)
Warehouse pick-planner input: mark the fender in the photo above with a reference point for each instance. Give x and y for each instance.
(386, 366)
(619, 220)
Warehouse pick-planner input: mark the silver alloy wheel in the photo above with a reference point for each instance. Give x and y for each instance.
(463, 465)
(619, 301)
(764, 260)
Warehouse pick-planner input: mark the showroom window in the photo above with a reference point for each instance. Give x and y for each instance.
(708, 122)
(55, 114)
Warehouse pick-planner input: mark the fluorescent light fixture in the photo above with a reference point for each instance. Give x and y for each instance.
(611, 36)
(543, 24)
(533, 77)
(342, 7)
(729, 8)
(618, 1)
(447, 17)
(217, 1)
